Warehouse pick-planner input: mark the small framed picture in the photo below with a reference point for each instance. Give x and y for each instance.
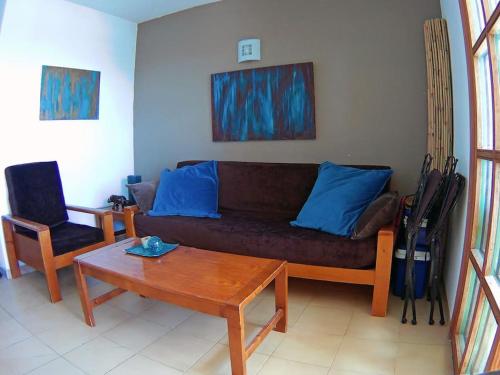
(248, 50)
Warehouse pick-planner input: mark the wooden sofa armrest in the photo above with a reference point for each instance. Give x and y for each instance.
(28, 224)
(128, 219)
(87, 210)
(383, 265)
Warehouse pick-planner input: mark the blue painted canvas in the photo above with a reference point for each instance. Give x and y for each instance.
(271, 103)
(69, 94)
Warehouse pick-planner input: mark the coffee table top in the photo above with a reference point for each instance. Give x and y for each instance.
(200, 275)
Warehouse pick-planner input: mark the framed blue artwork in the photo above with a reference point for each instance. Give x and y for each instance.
(69, 94)
(271, 103)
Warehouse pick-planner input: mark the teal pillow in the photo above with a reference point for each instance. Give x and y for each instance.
(188, 191)
(339, 196)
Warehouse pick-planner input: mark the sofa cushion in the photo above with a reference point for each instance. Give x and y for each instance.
(339, 197)
(380, 212)
(279, 189)
(261, 235)
(188, 191)
(69, 236)
(144, 194)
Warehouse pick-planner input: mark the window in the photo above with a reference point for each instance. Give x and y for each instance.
(475, 326)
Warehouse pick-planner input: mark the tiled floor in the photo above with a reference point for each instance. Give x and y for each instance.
(330, 332)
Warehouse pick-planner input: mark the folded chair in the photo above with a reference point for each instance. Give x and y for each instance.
(428, 187)
(451, 188)
(38, 231)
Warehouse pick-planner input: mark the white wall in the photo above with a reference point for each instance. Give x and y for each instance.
(451, 12)
(93, 156)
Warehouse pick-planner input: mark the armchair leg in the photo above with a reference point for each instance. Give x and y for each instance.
(11, 250)
(49, 266)
(107, 227)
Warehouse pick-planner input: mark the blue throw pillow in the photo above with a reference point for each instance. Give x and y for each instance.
(188, 191)
(339, 197)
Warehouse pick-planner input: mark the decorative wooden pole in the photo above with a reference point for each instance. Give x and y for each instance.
(439, 95)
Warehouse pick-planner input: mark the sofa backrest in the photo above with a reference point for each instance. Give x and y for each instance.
(279, 189)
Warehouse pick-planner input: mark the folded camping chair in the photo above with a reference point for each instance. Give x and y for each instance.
(451, 188)
(428, 187)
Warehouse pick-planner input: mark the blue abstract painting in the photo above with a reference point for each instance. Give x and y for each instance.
(268, 103)
(69, 94)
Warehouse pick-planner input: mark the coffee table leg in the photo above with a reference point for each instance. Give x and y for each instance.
(81, 282)
(236, 333)
(281, 298)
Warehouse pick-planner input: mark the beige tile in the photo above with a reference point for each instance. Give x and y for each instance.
(135, 334)
(98, 356)
(166, 314)
(15, 302)
(12, 332)
(132, 303)
(324, 320)
(47, 317)
(268, 346)
(217, 362)
(177, 350)
(265, 309)
(353, 298)
(423, 333)
(25, 356)
(107, 317)
(204, 326)
(68, 336)
(278, 366)
(139, 365)
(315, 349)
(58, 366)
(343, 372)
(423, 359)
(4, 315)
(366, 356)
(365, 326)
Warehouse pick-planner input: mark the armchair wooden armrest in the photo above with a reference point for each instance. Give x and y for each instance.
(87, 210)
(128, 218)
(28, 224)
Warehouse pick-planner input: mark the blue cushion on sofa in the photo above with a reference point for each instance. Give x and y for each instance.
(339, 197)
(188, 191)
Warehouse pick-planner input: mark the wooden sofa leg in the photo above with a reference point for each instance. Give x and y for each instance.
(385, 243)
(107, 227)
(11, 250)
(49, 266)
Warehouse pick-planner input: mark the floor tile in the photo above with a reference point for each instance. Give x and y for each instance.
(366, 356)
(365, 326)
(56, 367)
(135, 334)
(178, 350)
(166, 314)
(312, 348)
(278, 366)
(140, 365)
(217, 362)
(324, 320)
(204, 326)
(132, 303)
(98, 356)
(423, 359)
(265, 309)
(423, 333)
(25, 356)
(268, 346)
(12, 332)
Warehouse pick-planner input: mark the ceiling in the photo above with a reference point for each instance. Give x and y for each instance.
(141, 10)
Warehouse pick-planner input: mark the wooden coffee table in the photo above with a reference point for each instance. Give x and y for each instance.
(214, 283)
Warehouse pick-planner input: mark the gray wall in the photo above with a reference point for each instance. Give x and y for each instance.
(370, 81)
(461, 144)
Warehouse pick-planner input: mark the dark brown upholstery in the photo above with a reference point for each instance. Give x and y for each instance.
(257, 202)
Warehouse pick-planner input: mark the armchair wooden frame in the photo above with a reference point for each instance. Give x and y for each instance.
(39, 253)
(379, 276)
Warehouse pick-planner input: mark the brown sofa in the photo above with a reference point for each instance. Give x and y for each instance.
(257, 202)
